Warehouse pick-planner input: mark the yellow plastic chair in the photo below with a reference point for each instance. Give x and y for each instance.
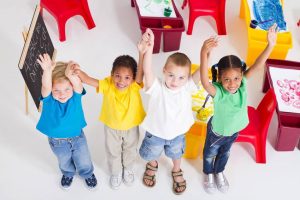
(257, 39)
(195, 139)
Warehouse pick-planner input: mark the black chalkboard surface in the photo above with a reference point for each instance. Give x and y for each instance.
(37, 42)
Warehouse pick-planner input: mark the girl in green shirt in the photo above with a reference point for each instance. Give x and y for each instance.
(230, 107)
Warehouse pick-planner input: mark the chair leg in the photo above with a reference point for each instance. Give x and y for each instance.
(192, 19)
(61, 23)
(88, 20)
(260, 153)
(220, 22)
(184, 3)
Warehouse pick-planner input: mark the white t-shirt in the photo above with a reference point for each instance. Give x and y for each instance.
(169, 111)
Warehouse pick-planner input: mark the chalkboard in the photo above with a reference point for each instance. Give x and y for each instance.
(37, 42)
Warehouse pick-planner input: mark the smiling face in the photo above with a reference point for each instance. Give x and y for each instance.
(62, 90)
(122, 77)
(175, 76)
(231, 79)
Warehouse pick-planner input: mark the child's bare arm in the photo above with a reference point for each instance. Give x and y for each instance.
(260, 61)
(47, 65)
(207, 46)
(85, 78)
(142, 48)
(148, 37)
(72, 76)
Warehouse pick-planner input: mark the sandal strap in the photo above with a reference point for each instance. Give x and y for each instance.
(180, 184)
(150, 167)
(148, 177)
(179, 173)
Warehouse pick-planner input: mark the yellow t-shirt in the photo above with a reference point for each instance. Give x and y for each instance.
(121, 110)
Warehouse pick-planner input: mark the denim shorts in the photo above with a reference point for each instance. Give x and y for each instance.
(153, 146)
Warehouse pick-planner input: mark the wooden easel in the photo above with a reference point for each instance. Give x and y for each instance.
(25, 33)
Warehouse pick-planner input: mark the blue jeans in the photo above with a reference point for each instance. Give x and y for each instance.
(216, 150)
(73, 155)
(153, 146)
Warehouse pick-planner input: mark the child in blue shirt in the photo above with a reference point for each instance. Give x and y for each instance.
(62, 120)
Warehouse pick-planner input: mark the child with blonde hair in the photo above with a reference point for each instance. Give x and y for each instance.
(62, 120)
(169, 114)
(122, 112)
(229, 94)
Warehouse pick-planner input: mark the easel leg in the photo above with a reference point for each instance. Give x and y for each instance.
(26, 100)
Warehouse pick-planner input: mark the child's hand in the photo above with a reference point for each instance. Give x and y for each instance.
(77, 70)
(208, 45)
(142, 46)
(45, 62)
(148, 37)
(71, 69)
(272, 35)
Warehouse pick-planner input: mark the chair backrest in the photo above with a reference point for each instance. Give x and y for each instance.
(266, 109)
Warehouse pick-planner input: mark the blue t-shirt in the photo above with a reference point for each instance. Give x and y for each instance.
(62, 120)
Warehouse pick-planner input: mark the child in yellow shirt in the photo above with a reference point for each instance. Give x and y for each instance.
(122, 111)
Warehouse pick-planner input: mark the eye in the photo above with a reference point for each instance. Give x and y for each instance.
(171, 75)
(127, 78)
(182, 78)
(237, 79)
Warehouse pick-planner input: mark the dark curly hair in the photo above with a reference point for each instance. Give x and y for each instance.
(125, 61)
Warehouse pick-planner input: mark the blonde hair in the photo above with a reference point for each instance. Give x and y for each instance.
(179, 59)
(58, 73)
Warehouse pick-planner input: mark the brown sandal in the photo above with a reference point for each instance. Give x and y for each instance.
(149, 177)
(178, 185)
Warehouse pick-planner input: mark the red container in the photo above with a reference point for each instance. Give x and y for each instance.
(171, 36)
(288, 133)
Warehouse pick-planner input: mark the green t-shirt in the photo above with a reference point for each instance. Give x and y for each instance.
(230, 110)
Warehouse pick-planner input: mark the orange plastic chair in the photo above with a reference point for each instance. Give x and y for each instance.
(259, 121)
(62, 10)
(214, 8)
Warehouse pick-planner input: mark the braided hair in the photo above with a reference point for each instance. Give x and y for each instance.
(225, 63)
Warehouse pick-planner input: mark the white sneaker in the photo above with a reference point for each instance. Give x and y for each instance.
(222, 182)
(115, 181)
(209, 184)
(128, 177)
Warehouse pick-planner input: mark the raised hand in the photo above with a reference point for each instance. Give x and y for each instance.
(208, 45)
(45, 62)
(148, 37)
(142, 46)
(272, 35)
(71, 69)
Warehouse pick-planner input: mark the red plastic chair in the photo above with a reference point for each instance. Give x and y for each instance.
(62, 10)
(214, 8)
(259, 121)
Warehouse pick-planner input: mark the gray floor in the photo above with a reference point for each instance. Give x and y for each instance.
(29, 170)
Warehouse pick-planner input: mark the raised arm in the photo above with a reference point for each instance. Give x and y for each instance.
(260, 61)
(148, 37)
(74, 79)
(85, 78)
(47, 65)
(142, 48)
(207, 46)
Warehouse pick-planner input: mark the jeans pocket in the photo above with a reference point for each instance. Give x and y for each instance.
(54, 142)
(148, 135)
